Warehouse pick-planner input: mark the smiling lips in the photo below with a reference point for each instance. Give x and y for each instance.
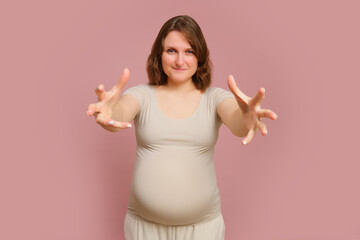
(179, 69)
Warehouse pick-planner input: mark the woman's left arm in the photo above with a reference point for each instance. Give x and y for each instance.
(243, 114)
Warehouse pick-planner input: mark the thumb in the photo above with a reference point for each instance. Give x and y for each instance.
(232, 84)
(239, 95)
(123, 80)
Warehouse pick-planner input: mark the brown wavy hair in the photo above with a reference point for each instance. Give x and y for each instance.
(192, 32)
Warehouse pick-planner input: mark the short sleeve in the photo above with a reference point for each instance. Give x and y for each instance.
(219, 95)
(139, 92)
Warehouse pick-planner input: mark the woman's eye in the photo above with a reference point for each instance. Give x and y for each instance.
(170, 51)
(190, 51)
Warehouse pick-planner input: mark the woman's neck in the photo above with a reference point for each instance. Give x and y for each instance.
(180, 87)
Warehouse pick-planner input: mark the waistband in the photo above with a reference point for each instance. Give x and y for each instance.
(207, 218)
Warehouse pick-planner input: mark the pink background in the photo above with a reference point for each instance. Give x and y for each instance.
(64, 177)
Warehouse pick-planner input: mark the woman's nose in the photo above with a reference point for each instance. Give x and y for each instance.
(179, 59)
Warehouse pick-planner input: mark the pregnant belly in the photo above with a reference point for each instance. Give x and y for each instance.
(175, 190)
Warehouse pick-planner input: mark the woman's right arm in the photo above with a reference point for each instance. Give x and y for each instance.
(112, 111)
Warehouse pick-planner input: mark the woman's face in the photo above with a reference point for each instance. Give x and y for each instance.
(178, 59)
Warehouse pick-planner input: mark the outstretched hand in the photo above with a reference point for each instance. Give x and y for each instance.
(252, 112)
(102, 110)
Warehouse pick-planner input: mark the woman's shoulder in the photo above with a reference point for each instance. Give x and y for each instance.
(138, 89)
(214, 91)
(216, 94)
(141, 92)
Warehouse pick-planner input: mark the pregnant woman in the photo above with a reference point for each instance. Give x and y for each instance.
(177, 116)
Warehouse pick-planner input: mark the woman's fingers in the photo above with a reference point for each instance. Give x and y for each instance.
(92, 109)
(267, 114)
(103, 120)
(122, 125)
(121, 83)
(253, 105)
(102, 109)
(258, 97)
(240, 96)
(260, 125)
(90, 112)
(100, 92)
(249, 136)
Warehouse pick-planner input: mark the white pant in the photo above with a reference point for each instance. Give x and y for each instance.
(140, 229)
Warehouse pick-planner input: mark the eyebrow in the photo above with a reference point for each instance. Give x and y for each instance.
(170, 47)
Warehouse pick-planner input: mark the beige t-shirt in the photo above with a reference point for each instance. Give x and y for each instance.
(174, 180)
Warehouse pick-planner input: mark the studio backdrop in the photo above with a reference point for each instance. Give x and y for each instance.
(64, 177)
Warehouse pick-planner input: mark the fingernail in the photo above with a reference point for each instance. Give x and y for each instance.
(111, 122)
(99, 88)
(244, 142)
(129, 125)
(265, 132)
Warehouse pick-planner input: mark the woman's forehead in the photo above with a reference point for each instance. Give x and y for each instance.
(176, 39)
